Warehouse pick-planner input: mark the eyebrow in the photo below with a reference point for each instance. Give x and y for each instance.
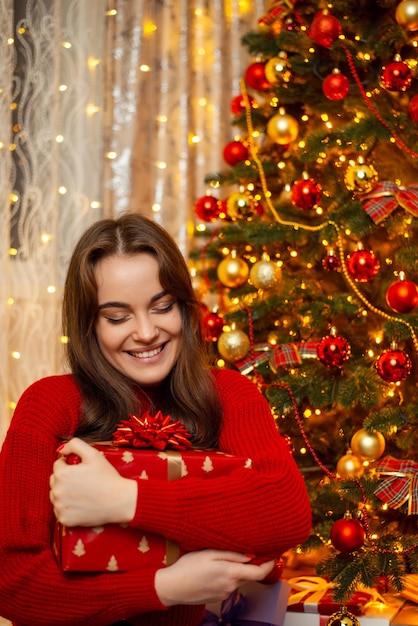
(124, 305)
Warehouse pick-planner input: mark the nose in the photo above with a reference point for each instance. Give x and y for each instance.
(145, 329)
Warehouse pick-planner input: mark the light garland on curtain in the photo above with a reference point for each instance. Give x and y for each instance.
(106, 106)
(53, 152)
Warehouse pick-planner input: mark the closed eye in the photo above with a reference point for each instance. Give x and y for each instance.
(165, 308)
(115, 320)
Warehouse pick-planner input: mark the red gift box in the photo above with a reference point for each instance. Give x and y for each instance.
(118, 547)
(311, 594)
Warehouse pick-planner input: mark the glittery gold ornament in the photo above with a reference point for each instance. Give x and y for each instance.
(343, 618)
(240, 206)
(277, 69)
(233, 345)
(360, 178)
(369, 446)
(349, 466)
(264, 274)
(406, 14)
(413, 66)
(282, 128)
(232, 270)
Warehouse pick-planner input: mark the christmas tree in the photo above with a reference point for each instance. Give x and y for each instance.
(308, 267)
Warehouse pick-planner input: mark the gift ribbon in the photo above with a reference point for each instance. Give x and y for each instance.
(410, 587)
(174, 464)
(312, 586)
(386, 196)
(401, 484)
(316, 587)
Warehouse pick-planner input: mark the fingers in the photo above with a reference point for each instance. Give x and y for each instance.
(207, 576)
(252, 571)
(78, 447)
(233, 557)
(266, 568)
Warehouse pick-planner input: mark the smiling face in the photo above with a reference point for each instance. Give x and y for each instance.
(139, 324)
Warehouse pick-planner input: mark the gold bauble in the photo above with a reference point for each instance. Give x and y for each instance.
(343, 618)
(349, 466)
(369, 446)
(233, 271)
(264, 274)
(282, 128)
(233, 345)
(277, 69)
(240, 206)
(413, 66)
(361, 178)
(406, 14)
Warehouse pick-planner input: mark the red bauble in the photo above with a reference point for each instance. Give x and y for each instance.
(347, 535)
(402, 296)
(207, 208)
(382, 584)
(336, 86)
(255, 76)
(306, 193)
(325, 29)
(238, 104)
(393, 365)
(396, 76)
(362, 265)
(333, 351)
(331, 263)
(275, 574)
(212, 326)
(235, 152)
(413, 108)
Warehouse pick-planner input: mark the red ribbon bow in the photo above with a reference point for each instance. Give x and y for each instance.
(284, 354)
(152, 431)
(275, 11)
(401, 484)
(387, 196)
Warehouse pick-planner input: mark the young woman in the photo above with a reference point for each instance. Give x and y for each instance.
(135, 344)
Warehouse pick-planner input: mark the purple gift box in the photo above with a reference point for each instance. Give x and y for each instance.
(253, 604)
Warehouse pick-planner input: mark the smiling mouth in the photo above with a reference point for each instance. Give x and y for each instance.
(148, 353)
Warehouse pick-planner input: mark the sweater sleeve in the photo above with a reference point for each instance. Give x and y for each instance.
(263, 511)
(33, 589)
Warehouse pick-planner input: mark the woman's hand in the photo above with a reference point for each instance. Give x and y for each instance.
(206, 576)
(92, 492)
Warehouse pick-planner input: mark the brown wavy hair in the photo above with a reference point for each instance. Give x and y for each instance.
(188, 393)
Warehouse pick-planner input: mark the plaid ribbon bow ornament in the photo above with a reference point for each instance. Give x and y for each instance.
(401, 484)
(386, 197)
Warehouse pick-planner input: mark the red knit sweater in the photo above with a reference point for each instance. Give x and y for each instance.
(261, 512)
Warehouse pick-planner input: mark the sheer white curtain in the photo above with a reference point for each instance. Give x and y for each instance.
(105, 106)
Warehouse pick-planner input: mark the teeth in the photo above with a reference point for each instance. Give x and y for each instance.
(146, 355)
